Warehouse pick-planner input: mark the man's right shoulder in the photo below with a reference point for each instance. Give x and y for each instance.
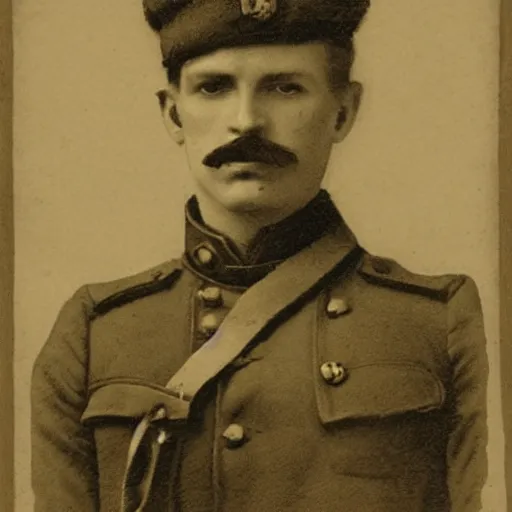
(108, 295)
(67, 339)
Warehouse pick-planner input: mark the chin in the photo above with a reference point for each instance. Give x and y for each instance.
(251, 196)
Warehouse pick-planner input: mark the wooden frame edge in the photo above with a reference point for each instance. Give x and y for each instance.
(6, 261)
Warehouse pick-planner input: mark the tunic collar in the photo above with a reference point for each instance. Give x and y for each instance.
(215, 257)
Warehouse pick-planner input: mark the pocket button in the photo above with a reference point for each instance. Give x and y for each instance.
(333, 373)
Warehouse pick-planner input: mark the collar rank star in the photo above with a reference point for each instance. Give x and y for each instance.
(260, 10)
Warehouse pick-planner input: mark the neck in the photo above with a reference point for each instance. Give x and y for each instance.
(243, 226)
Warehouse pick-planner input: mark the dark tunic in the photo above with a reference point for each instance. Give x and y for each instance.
(370, 396)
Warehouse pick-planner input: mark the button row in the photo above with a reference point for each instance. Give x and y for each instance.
(210, 297)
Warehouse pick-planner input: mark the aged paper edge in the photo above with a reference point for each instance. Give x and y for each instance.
(505, 212)
(6, 262)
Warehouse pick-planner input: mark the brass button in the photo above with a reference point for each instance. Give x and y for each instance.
(234, 436)
(204, 256)
(211, 296)
(333, 373)
(381, 266)
(209, 325)
(337, 306)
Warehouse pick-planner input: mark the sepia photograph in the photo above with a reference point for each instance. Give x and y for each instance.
(257, 256)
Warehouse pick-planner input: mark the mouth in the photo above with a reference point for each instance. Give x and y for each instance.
(240, 158)
(245, 170)
(244, 165)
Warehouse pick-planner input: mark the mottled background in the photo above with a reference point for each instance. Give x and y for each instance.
(99, 188)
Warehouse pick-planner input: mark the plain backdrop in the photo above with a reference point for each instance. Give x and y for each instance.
(99, 188)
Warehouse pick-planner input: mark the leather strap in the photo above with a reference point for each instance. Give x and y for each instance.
(255, 310)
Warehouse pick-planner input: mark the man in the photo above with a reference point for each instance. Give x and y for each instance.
(276, 366)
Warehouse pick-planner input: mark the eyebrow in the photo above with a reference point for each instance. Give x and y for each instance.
(271, 77)
(210, 75)
(284, 77)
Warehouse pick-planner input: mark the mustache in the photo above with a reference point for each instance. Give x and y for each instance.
(251, 148)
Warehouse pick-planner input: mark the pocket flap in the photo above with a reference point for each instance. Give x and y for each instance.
(379, 390)
(117, 399)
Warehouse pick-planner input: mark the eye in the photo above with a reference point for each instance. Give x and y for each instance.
(213, 87)
(288, 89)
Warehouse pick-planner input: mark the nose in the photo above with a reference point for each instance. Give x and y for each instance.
(248, 116)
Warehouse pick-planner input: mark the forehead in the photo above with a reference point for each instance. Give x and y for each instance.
(260, 60)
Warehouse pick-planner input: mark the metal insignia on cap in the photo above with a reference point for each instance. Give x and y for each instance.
(259, 9)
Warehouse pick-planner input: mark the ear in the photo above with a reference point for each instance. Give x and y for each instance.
(170, 116)
(349, 102)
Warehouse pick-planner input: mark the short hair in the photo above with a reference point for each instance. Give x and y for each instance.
(340, 60)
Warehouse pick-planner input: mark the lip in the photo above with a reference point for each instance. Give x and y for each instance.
(244, 166)
(246, 171)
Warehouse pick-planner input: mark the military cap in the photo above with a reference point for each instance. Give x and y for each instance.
(189, 28)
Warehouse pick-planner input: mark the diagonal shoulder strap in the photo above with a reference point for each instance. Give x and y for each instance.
(262, 304)
(258, 308)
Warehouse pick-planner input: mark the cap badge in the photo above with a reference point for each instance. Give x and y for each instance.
(259, 9)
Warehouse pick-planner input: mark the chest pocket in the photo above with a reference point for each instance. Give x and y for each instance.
(384, 420)
(380, 390)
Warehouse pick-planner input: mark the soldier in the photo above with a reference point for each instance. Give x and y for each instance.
(277, 365)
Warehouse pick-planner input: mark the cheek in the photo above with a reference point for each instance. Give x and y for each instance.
(200, 123)
(309, 133)
(198, 142)
(196, 129)
(308, 120)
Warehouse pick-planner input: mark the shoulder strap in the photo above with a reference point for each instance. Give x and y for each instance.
(388, 273)
(295, 279)
(292, 282)
(114, 294)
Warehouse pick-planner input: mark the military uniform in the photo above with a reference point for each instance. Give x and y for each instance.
(369, 394)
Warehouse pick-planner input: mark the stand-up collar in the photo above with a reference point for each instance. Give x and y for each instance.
(214, 256)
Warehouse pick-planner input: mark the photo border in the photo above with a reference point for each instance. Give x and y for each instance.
(6, 261)
(7, 246)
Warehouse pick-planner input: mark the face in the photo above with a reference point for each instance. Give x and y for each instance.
(278, 93)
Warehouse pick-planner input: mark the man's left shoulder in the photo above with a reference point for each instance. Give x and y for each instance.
(388, 273)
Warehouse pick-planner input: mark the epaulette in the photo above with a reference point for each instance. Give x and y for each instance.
(110, 295)
(387, 272)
